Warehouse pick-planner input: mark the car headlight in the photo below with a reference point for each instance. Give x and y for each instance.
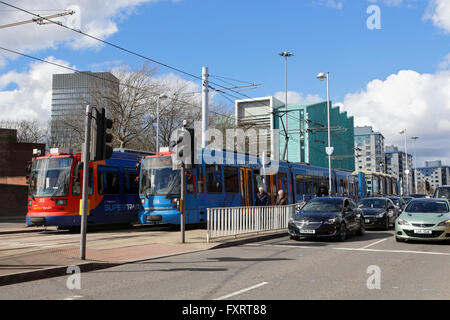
(61, 202)
(402, 222)
(330, 221)
(444, 223)
(291, 220)
(380, 215)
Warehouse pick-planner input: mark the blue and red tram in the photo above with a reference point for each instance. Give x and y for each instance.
(55, 183)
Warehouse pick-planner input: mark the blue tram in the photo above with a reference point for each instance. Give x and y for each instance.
(227, 184)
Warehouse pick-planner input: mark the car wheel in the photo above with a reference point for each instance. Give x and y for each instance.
(294, 237)
(362, 229)
(397, 239)
(342, 235)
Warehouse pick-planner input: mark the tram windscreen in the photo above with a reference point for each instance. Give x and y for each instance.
(158, 178)
(50, 177)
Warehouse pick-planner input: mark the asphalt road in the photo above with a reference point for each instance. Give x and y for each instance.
(275, 269)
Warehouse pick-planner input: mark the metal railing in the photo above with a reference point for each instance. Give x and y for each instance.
(233, 221)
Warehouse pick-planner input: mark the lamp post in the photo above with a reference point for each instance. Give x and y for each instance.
(407, 167)
(161, 96)
(415, 163)
(329, 149)
(286, 55)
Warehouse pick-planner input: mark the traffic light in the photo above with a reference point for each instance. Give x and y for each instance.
(102, 137)
(183, 148)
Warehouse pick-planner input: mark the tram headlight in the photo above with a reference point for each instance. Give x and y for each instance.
(142, 201)
(61, 202)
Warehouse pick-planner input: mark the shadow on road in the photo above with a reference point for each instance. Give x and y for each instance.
(238, 259)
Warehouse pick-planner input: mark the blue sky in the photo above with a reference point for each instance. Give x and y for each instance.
(242, 39)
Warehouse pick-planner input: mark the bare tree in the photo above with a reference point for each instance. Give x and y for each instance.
(30, 131)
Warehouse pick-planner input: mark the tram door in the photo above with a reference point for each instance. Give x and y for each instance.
(272, 189)
(245, 181)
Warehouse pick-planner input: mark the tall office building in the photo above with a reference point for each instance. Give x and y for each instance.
(396, 166)
(369, 150)
(70, 95)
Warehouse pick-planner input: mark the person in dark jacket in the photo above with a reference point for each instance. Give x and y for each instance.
(322, 191)
(281, 199)
(262, 198)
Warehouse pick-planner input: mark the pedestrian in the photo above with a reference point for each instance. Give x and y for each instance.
(322, 191)
(281, 199)
(262, 198)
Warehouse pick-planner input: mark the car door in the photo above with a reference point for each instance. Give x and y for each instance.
(350, 215)
(391, 210)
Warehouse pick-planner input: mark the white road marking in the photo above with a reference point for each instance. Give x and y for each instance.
(241, 291)
(395, 251)
(372, 244)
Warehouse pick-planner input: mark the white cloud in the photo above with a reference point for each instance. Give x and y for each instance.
(439, 12)
(96, 17)
(296, 97)
(408, 99)
(445, 64)
(31, 97)
(389, 3)
(332, 4)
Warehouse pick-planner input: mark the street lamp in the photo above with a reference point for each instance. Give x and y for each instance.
(407, 167)
(415, 162)
(286, 55)
(161, 96)
(329, 150)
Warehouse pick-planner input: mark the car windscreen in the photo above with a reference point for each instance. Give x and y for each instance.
(427, 207)
(442, 193)
(323, 205)
(372, 203)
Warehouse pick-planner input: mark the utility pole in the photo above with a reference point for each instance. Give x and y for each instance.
(182, 215)
(84, 201)
(286, 55)
(205, 110)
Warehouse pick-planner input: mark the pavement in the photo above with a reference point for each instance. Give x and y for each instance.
(28, 254)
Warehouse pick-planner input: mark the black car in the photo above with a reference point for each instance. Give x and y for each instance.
(418, 195)
(327, 217)
(378, 212)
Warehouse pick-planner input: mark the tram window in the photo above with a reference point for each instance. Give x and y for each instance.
(213, 179)
(257, 180)
(200, 181)
(108, 180)
(300, 183)
(76, 181)
(189, 181)
(231, 179)
(131, 181)
(282, 182)
(308, 185)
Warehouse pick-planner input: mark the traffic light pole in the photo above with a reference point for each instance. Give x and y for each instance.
(182, 215)
(84, 201)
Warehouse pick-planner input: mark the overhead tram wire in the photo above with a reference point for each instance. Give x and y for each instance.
(136, 54)
(123, 49)
(103, 79)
